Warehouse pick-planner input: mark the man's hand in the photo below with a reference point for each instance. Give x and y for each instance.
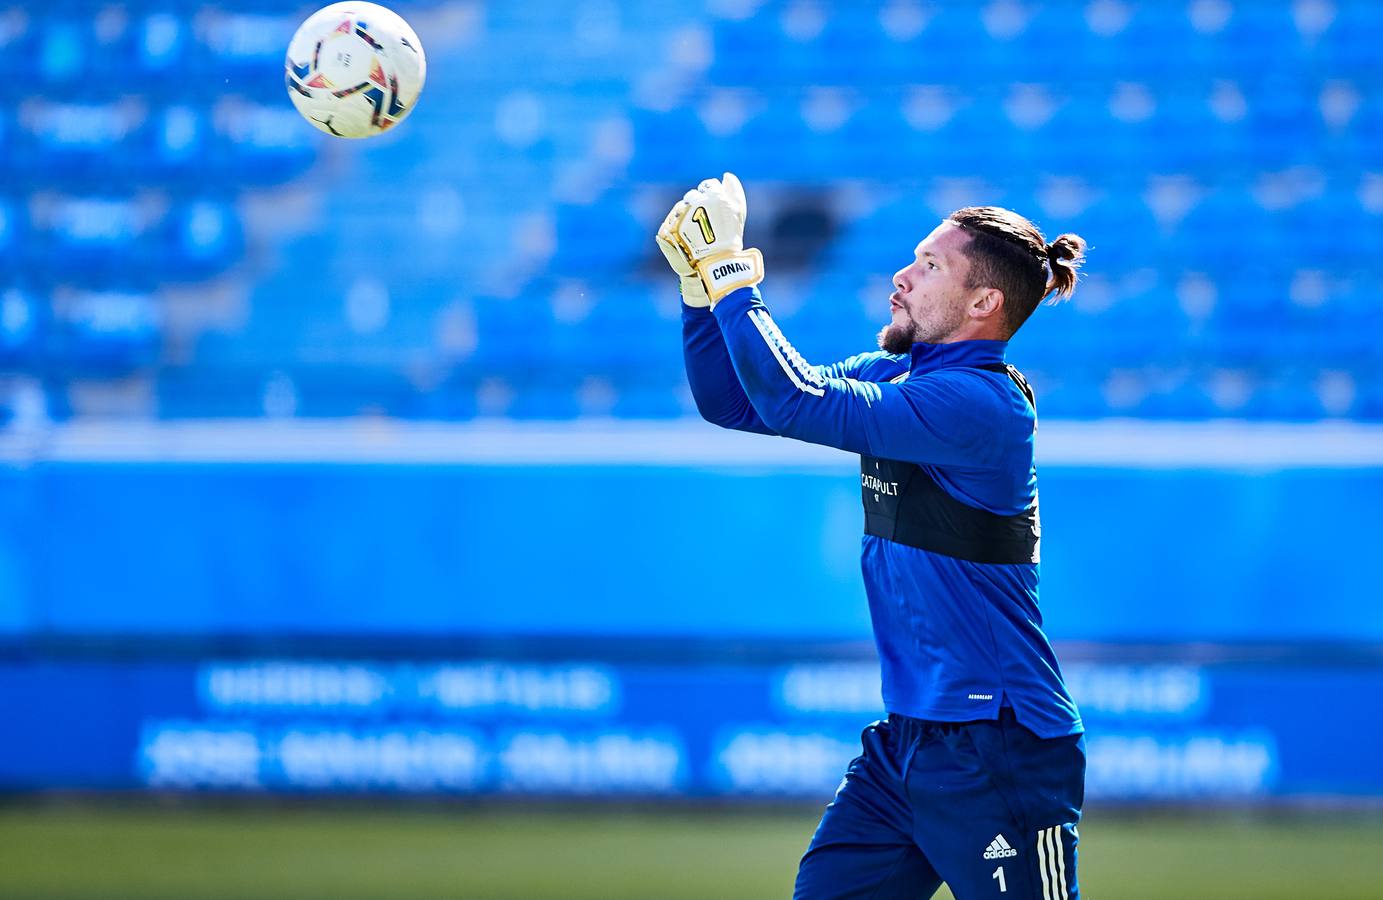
(693, 291)
(707, 226)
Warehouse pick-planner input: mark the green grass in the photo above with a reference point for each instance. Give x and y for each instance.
(347, 852)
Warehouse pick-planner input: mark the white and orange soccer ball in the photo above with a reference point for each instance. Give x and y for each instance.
(355, 70)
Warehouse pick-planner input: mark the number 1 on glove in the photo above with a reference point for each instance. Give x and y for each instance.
(711, 230)
(702, 218)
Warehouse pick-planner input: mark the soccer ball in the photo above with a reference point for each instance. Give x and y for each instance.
(355, 69)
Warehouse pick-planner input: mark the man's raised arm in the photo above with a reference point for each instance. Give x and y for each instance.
(944, 418)
(716, 389)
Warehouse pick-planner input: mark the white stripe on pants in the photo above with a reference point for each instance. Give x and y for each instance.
(1051, 863)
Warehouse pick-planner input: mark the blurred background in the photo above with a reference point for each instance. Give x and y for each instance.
(358, 536)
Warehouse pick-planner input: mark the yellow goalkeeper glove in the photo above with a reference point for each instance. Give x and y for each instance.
(693, 291)
(707, 226)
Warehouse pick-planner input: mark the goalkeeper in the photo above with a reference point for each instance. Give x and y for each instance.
(976, 778)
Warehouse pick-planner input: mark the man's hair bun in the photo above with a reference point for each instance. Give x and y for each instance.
(1064, 258)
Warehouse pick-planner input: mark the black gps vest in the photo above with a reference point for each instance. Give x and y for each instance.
(903, 503)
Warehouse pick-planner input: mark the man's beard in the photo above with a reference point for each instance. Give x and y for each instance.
(897, 338)
(894, 338)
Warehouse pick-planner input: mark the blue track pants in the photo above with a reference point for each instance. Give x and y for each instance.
(987, 807)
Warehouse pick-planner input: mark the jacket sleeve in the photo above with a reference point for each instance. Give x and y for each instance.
(714, 385)
(949, 417)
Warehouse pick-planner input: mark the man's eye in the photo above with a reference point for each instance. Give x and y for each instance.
(931, 265)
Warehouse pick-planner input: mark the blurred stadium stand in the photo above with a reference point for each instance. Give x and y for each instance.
(273, 601)
(174, 231)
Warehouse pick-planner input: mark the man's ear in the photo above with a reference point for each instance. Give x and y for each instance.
(989, 302)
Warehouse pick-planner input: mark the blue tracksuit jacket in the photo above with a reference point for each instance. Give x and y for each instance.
(957, 640)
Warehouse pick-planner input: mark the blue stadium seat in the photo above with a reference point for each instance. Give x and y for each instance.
(175, 146)
(162, 42)
(81, 145)
(663, 399)
(242, 47)
(204, 391)
(1369, 405)
(201, 238)
(11, 230)
(61, 52)
(92, 239)
(23, 323)
(106, 332)
(1347, 45)
(259, 144)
